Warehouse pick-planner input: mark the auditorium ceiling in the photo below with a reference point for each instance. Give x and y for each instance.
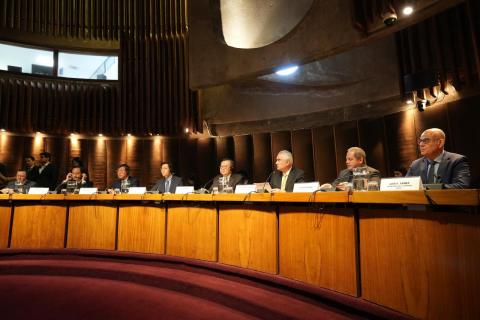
(348, 70)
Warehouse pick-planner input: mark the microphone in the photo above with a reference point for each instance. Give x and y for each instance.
(436, 178)
(204, 189)
(265, 183)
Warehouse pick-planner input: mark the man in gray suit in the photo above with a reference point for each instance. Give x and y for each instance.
(20, 184)
(437, 165)
(169, 182)
(227, 166)
(355, 158)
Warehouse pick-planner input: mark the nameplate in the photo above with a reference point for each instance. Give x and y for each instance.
(306, 187)
(245, 188)
(136, 190)
(87, 191)
(35, 190)
(401, 184)
(184, 190)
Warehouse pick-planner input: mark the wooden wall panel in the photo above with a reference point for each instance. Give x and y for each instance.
(464, 135)
(401, 139)
(117, 154)
(372, 140)
(280, 141)
(303, 150)
(346, 136)
(208, 166)
(244, 155)
(324, 154)
(225, 148)
(262, 157)
(390, 142)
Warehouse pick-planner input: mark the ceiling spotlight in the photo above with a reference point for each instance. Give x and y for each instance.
(409, 101)
(187, 130)
(3, 130)
(421, 105)
(408, 10)
(129, 134)
(287, 71)
(100, 135)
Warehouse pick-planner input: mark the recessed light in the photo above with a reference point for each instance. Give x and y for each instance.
(408, 10)
(286, 71)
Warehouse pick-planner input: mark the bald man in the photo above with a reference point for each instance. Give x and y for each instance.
(437, 165)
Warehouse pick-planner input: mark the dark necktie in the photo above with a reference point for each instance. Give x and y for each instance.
(431, 172)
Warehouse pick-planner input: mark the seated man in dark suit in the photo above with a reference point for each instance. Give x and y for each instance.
(20, 184)
(77, 175)
(47, 172)
(355, 158)
(123, 174)
(226, 174)
(169, 182)
(286, 175)
(437, 165)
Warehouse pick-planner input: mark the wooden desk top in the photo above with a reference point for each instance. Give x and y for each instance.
(469, 197)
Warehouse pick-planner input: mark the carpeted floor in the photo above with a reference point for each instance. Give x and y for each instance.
(68, 284)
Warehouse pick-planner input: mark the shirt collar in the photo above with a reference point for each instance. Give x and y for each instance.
(288, 172)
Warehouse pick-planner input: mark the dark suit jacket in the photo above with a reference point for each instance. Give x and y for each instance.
(295, 175)
(26, 185)
(117, 184)
(48, 177)
(453, 171)
(174, 183)
(63, 185)
(235, 179)
(347, 176)
(32, 173)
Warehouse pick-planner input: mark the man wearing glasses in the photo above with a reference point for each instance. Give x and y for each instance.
(438, 165)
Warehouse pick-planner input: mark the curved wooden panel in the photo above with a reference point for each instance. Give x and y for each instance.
(421, 264)
(141, 229)
(39, 226)
(92, 227)
(310, 242)
(262, 157)
(192, 232)
(248, 237)
(302, 149)
(5, 216)
(324, 154)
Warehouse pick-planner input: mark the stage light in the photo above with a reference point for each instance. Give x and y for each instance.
(409, 101)
(3, 130)
(421, 105)
(100, 135)
(187, 130)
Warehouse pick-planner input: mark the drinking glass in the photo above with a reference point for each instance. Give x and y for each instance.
(125, 186)
(360, 179)
(19, 187)
(71, 186)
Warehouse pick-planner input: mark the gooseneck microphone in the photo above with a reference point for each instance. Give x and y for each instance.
(267, 180)
(204, 188)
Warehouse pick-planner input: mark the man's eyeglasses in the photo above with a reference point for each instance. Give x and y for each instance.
(425, 140)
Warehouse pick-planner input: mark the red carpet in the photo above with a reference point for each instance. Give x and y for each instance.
(67, 284)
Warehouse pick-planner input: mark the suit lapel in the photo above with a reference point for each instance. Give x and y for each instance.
(443, 166)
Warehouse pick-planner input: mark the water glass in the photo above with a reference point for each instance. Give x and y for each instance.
(125, 186)
(19, 187)
(71, 186)
(373, 185)
(360, 179)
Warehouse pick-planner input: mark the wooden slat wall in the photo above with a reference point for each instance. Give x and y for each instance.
(152, 95)
(390, 142)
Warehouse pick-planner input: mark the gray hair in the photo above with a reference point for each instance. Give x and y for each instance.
(358, 153)
(287, 154)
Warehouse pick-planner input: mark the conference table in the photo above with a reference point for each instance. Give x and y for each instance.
(417, 252)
